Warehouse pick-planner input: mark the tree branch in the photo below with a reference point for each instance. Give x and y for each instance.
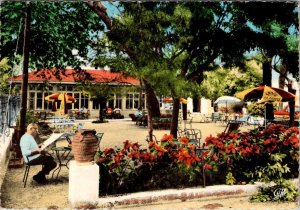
(100, 10)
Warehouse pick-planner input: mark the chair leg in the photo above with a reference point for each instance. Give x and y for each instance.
(26, 175)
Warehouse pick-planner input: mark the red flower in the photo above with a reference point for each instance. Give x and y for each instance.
(108, 151)
(295, 141)
(230, 148)
(271, 148)
(246, 151)
(135, 146)
(220, 145)
(126, 144)
(160, 150)
(184, 140)
(221, 152)
(118, 157)
(152, 144)
(210, 140)
(214, 157)
(167, 137)
(204, 154)
(207, 167)
(256, 149)
(184, 156)
(134, 154)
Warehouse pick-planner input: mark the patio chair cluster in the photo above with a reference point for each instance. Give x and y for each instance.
(162, 122)
(62, 124)
(113, 114)
(79, 114)
(43, 115)
(248, 120)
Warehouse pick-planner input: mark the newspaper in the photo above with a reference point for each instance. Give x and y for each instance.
(54, 137)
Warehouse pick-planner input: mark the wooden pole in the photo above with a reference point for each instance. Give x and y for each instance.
(25, 69)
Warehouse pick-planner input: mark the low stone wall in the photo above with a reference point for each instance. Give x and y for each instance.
(5, 142)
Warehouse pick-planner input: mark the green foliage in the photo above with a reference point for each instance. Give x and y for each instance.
(255, 109)
(56, 29)
(229, 81)
(284, 191)
(230, 180)
(5, 70)
(30, 118)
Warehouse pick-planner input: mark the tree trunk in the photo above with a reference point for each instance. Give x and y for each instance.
(291, 105)
(25, 69)
(267, 80)
(175, 112)
(152, 107)
(282, 78)
(102, 109)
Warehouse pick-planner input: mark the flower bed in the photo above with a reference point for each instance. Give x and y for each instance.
(175, 163)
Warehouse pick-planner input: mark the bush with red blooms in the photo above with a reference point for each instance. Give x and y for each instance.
(172, 163)
(257, 154)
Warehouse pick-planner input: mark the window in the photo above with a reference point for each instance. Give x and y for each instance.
(76, 104)
(84, 101)
(32, 87)
(69, 87)
(118, 101)
(96, 104)
(136, 101)
(39, 101)
(31, 100)
(129, 101)
(47, 104)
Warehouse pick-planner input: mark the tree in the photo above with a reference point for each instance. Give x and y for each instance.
(229, 81)
(185, 39)
(55, 30)
(273, 23)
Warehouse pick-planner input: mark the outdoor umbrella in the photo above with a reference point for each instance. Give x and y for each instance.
(266, 94)
(63, 108)
(170, 100)
(64, 98)
(60, 96)
(226, 100)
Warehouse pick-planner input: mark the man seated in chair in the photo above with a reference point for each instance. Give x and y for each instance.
(31, 152)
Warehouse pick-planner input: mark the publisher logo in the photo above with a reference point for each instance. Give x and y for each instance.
(279, 193)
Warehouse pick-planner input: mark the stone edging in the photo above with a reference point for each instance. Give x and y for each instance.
(173, 194)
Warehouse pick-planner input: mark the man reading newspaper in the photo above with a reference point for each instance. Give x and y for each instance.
(35, 154)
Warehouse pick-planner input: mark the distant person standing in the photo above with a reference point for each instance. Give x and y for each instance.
(31, 152)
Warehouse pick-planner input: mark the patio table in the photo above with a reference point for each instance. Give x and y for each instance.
(62, 154)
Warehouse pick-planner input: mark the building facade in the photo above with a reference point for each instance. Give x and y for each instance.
(43, 83)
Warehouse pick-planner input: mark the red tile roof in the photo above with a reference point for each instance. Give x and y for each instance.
(70, 76)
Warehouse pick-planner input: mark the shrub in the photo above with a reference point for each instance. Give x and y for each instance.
(269, 155)
(259, 155)
(171, 164)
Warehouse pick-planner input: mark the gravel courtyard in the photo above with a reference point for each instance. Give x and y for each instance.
(54, 195)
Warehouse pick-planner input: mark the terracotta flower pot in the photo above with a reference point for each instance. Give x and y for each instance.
(84, 145)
